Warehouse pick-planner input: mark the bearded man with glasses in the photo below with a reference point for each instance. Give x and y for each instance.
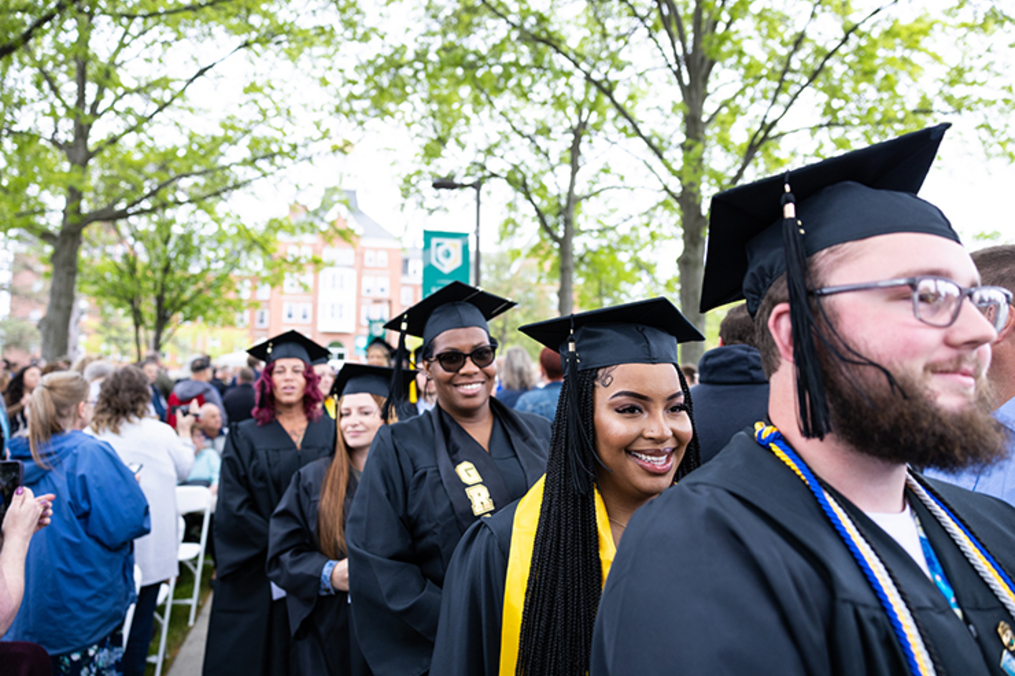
(812, 544)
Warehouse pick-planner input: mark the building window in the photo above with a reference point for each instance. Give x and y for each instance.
(306, 311)
(369, 258)
(382, 258)
(261, 320)
(382, 286)
(263, 292)
(242, 319)
(289, 313)
(408, 297)
(243, 289)
(344, 257)
(368, 285)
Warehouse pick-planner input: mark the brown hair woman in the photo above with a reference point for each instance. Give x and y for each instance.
(306, 541)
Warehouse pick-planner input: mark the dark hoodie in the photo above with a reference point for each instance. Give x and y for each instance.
(732, 394)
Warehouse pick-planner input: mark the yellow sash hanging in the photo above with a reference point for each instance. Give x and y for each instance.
(331, 407)
(523, 536)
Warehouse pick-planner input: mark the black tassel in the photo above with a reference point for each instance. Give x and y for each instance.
(395, 389)
(577, 440)
(810, 385)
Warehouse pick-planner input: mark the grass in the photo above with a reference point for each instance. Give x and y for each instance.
(178, 628)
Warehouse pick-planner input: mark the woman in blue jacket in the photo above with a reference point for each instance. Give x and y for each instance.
(79, 576)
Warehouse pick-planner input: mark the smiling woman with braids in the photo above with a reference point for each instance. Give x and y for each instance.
(522, 590)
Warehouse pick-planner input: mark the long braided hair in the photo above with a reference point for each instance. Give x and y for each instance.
(565, 576)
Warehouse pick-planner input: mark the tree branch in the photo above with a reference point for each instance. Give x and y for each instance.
(26, 35)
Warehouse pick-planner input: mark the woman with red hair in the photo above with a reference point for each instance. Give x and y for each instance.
(249, 628)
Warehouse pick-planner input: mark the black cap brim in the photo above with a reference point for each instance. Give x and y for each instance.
(415, 318)
(362, 378)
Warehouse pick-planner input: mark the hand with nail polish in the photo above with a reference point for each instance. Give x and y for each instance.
(25, 515)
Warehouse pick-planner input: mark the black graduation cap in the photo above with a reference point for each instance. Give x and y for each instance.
(455, 306)
(358, 378)
(381, 343)
(644, 332)
(863, 193)
(763, 229)
(289, 344)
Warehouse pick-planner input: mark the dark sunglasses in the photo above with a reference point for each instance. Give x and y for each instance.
(452, 361)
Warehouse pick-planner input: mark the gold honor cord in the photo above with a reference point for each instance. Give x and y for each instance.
(516, 582)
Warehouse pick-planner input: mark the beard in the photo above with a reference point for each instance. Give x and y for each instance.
(902, 423)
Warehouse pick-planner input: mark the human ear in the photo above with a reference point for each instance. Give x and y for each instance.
(780, 325)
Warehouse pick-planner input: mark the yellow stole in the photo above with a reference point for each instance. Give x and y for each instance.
(523, 535)
(331, 407)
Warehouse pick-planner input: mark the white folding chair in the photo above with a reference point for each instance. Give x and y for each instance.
(129, 617)
(191, 500)
(165, 598)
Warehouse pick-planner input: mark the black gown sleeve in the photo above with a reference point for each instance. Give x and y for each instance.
(241, 532)
(693, 591)
(394, 607)
(294, 562)
(469, 632)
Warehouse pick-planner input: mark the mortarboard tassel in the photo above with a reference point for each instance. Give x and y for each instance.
(576, 436)
(810, 385)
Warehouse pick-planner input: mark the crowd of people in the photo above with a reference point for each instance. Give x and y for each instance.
(827, 491)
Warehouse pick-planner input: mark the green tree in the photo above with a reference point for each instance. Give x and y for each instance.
(486, 108)
(717, 91)
(104, 116)
(162, 271)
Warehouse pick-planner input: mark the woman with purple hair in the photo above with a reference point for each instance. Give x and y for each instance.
(249, 629)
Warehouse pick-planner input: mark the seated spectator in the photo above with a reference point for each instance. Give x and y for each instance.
(198, 387)
(99, 510)
(516, 377)
(239, 401)
(207, 463)
(209, 421)
(121, 419)
(25, 515)
(544, 400)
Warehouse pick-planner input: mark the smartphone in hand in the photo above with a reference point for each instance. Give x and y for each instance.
(12, 475)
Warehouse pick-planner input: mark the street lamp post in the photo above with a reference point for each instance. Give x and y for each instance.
(451, 184)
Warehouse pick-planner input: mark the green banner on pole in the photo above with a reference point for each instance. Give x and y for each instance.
(445, 259)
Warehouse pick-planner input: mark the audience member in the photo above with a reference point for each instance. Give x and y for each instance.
(209, 420)
(79, 576)
(516, 377)
(220, 378)
(379, 353)
(543, 401)
(162, 380)
(733, 390)
(26, 514)
(239, 401)
(161, 458)
(17, 395)
(159, 406)
(996, 266)
(207, 463)
(196, 388)
(690, 374)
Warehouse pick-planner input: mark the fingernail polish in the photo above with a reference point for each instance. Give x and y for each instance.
(21, 489)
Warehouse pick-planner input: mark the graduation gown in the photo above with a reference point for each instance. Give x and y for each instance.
(479, 630)
(737, 570)
(403, 529)
(319, 624)
(248, 633)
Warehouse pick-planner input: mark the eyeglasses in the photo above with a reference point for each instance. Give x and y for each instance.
(937, 301)
(452, 361)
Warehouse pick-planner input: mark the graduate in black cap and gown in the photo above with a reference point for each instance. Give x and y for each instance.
(314, 571)
(248, 633)
(521, 592)
(431, 477)
(810, 544)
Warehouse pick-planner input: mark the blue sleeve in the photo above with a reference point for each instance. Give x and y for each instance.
(326, 589)
(107, 497)
(214, 466)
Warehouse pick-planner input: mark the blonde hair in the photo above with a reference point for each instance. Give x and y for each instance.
(53, 409)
